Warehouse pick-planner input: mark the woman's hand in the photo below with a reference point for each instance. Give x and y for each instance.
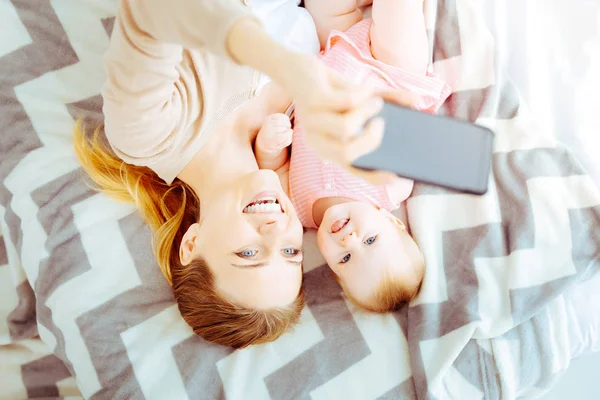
(340, 118)
(336, 114)
(328, 105)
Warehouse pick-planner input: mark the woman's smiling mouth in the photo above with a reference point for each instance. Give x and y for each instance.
(263, 205)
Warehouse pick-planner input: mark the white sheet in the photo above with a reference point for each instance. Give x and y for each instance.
(556, 67)
(557, 70)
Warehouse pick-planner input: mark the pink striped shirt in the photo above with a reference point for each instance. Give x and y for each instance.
(310, 177)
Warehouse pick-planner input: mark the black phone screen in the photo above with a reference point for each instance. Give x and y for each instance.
(433, 149)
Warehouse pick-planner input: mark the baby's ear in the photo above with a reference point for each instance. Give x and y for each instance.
(394, 219)
(399, 222)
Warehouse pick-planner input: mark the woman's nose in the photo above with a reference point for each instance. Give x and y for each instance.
(271, 227)
(349, 239)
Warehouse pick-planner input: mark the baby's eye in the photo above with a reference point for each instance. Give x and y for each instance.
(290, 251)
(346, 258)
(370, 240)
(247, 253)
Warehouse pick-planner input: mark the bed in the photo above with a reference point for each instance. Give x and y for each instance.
(512, 280)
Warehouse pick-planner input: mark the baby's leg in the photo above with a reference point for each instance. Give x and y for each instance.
(398, 34)
(339, 15)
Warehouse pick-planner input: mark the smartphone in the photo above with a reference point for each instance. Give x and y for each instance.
(433, 149)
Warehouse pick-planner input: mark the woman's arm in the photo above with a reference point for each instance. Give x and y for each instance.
(151, 97)
(152, 94)
(192, 24)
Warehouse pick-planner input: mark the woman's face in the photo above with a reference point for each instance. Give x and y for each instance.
(250, 236)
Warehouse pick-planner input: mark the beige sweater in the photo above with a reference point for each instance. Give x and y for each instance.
(161, 100)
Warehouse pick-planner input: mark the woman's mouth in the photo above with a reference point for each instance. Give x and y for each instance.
(339, 225)
(263, 205)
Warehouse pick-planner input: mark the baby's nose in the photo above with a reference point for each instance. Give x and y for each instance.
(348, 239)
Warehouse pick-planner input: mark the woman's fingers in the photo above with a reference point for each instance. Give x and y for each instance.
(344, 153)
(344, 95)
(343, 127)
(399, 96)
(355, 122)
(375, 177)
(368, 141)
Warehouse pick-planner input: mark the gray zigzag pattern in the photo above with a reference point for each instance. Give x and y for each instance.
(56, 217)
(59, 227)
(461, 247)
(446, 41)
(19, 137)
(22, 319)
(40, 377)
(3, 254)
(114, 369)
(342, 346)
(404, 391)
(194, 355)
(196, 358)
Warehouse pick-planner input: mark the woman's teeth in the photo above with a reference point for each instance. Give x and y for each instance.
(263, 205)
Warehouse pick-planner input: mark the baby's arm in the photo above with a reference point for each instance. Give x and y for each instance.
(271, 148)
(339, 15)
(395, 187)
(399, 190)
(398, 34)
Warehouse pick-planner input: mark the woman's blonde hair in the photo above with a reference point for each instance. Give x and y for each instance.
(170, 210)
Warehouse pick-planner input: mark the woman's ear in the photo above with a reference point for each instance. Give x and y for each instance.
(189, 245)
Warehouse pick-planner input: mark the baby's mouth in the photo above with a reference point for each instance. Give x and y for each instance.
(263, 205)
(339, 225)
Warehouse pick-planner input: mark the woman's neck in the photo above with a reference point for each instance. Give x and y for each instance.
(228, 154)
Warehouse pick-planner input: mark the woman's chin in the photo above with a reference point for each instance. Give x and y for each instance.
(260, 181)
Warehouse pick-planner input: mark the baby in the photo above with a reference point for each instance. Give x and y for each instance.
(377, 263)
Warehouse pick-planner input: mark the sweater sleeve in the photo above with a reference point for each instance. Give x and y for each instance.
(152, 95)
(190, 23)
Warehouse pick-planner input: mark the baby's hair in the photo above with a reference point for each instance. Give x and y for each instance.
(170, 210)
(391, 293)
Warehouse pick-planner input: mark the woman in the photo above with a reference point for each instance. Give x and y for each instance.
(178, 118)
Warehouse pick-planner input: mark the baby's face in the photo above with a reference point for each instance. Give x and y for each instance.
(362, 243)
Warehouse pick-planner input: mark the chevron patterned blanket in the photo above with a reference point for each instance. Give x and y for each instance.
(489, 323)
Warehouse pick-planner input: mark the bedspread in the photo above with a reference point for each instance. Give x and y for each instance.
(488, 323)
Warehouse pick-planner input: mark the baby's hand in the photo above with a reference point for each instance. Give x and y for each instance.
(275, 134)
(398, 188)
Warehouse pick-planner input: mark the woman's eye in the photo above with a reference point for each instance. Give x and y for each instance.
(290, 251)
(370, 240)
(247, 253)
(345, 259)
